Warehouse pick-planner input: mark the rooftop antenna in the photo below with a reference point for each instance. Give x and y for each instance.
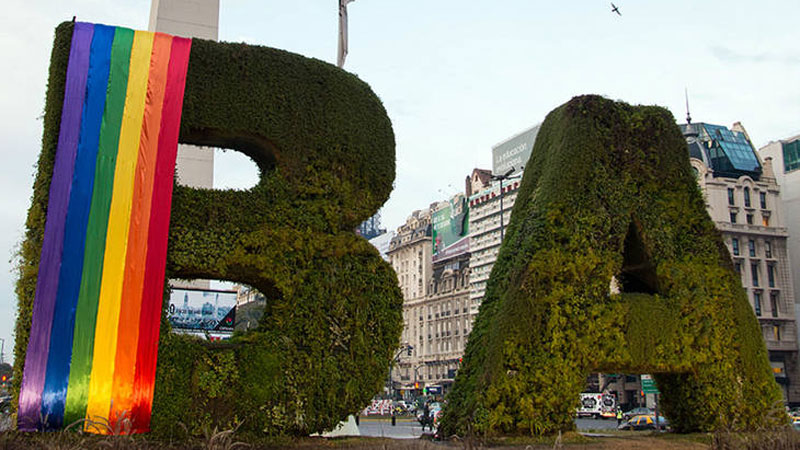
(688, 116)
(689, 132)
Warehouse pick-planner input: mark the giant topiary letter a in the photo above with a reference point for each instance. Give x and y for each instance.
(608, 192)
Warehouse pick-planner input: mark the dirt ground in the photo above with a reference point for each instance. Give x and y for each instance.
(229, 441)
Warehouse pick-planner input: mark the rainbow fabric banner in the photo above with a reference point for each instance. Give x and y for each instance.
(97, 310)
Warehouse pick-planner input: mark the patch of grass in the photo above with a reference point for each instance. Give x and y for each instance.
(232, 439)
(568, 438)
(772, 440)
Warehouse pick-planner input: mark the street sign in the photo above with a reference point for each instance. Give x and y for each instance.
(649, 384)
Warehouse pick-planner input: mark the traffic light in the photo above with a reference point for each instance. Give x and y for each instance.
(408, 350)
(416, 385)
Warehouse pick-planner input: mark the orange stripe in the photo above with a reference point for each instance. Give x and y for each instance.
(128, 338)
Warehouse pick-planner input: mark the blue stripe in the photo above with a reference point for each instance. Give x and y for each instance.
(55, 388)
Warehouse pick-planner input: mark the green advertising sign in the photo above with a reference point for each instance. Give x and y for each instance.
(451, 229)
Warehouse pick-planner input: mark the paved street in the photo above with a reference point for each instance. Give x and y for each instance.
(407, 428)
(596, 424)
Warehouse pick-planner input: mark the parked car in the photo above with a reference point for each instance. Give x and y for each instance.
(641, 410)
(644, 422)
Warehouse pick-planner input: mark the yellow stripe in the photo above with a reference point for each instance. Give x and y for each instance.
(105, 337)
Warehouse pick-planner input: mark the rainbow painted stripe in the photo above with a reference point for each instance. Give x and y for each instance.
(97, 310)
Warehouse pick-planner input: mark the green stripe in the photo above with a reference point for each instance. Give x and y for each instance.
(86, 312)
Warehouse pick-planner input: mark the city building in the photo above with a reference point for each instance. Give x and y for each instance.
(442, 321)
(444, 317)
(785, 156)
(382, 243)
(410, 255)
(371, 228)
(250, 306)
(438, 319)
(431, 256)
(485, 217)
(489, 193)
(743, 198)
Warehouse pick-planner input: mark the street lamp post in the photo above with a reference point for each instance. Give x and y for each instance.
(405, 348)
(501, 178)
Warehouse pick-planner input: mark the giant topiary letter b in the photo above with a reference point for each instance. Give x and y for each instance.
(118, 102)
(608, 193)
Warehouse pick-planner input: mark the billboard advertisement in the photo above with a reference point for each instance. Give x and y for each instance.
(451, 229)
(514, 152)
(202, 310)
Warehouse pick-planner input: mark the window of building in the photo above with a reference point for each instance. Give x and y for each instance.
(751, 245)
(776, 331)
(733, 217)
(757, 303)
(735, 245)
(768, 249)
(765, 221)
(747, 197)
(771, 275)
(731, 198)
(791, 156)
(773, 303)
(762, 197)
(754, 273)
(738, 266)
(749, 218)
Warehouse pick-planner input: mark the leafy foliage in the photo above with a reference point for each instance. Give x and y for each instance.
(325, 149)
(608, 192)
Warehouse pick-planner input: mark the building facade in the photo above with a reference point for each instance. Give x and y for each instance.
(409, 254)
(437, 327)
(485, 231)
(743, 199)
(436, 307)
(785, 158)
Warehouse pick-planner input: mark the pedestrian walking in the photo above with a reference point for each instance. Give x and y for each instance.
(426, 417)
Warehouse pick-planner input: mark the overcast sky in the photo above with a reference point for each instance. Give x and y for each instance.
(456, 76)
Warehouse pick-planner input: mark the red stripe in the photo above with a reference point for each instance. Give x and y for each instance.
(153, 293)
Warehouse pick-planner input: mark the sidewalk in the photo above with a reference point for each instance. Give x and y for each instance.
(404, 428)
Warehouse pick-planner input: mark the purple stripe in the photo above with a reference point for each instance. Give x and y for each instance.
(30, 396)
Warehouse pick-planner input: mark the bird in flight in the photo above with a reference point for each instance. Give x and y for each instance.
(615, 9)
